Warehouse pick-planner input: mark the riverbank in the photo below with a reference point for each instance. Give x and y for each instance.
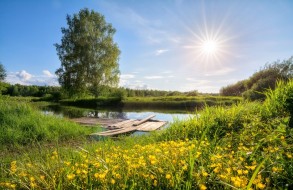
(167, 102)
(22, 125)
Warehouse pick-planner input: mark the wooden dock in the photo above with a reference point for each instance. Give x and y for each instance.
(91, 121)
(121, 126)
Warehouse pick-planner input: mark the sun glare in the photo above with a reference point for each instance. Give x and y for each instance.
(209, 47)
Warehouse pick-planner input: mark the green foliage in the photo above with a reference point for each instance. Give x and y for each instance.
(3, 87)
(155, 93)
(93, 102)
(46, 93)
(22, 125)
(254, 87)
(234, 89)
(88, 54)
(280, 100)
(2, 73)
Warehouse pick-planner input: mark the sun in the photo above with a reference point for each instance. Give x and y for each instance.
(210, 47)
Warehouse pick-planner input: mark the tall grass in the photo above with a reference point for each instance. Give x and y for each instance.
(23, 125)
(248, 145)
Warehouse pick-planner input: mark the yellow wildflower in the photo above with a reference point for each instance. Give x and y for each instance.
(33, 184)
(205, 174)
(239, 172)
(168, 176)
(70, 176)
(155, 183)
(118, 176)
(261, 186)
(13, 167)
(32, 179)
(202, 187)
(13, 186)
(217, 170)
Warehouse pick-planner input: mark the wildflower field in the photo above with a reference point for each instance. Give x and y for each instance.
(244, 146)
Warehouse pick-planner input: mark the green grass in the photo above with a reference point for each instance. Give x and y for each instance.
(246, 145)
(23, 125)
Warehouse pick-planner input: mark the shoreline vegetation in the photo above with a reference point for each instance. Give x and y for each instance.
(166, 102)
(247, 145)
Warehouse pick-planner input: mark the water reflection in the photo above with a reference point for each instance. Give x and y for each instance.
(75, 112)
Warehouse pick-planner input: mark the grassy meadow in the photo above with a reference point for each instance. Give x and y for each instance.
(247, 145)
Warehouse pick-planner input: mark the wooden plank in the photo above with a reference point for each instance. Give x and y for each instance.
(113, 130)
(118, 132)
(143, 120)
(109, 131)
(144, 125)
(153, 126)
(122, 124)
(95, 121)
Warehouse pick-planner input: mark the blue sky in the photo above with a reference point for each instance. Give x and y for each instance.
(161, 41)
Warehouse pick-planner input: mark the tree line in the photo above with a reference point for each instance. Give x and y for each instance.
(253, 88)
(31, 90)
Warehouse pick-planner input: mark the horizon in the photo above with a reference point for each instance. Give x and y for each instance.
(177, 45)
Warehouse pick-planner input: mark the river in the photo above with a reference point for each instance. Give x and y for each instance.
(75, 112)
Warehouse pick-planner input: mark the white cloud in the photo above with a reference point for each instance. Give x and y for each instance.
(161, 51)
(136, 84)
(25, 78)
(48, 73)
(23, 75)
(153, 77)
(200, 87)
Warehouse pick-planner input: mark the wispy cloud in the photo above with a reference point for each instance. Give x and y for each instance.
(220, 72)
(153, 77)
(150, 30)
(127, 76)
(201, 87)
(161, 51)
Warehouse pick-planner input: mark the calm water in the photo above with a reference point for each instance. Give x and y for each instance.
(74, 112)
